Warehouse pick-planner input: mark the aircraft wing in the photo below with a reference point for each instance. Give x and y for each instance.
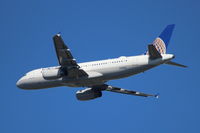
(65, 58)
(129, 92)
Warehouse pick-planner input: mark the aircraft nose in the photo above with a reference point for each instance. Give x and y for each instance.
(20, 83)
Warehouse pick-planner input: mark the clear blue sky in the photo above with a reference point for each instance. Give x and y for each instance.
(97, 30)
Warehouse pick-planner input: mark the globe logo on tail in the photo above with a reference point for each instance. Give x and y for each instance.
(160, 45)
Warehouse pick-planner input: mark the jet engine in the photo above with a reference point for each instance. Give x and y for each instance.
(88, 94)
(53, 73)
(50, 73)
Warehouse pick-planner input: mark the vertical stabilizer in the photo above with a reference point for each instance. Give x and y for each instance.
(162, 41)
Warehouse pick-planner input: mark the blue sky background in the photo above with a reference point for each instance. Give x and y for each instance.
(97, 30)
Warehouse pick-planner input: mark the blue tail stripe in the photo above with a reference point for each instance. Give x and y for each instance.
(167, 33)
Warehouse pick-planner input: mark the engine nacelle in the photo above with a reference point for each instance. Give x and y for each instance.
(53, 72)
(88, 94)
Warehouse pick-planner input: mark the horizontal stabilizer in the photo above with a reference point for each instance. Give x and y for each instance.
(153, 53)
(175, 64)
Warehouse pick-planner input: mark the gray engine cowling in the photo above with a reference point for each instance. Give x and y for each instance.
(51, 73)
(54, 72)
(88, 94)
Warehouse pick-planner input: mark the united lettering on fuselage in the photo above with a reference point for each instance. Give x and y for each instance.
(95, 74)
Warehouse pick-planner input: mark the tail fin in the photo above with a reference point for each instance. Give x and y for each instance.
(162, 41)
(153, 52)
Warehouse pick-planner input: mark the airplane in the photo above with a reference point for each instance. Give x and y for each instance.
(93, 75)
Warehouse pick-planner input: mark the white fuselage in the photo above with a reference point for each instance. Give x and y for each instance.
(99, 72)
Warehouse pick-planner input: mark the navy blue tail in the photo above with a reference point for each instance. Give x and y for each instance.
(162, 41)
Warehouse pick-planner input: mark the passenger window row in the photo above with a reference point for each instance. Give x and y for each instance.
(104, 63)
